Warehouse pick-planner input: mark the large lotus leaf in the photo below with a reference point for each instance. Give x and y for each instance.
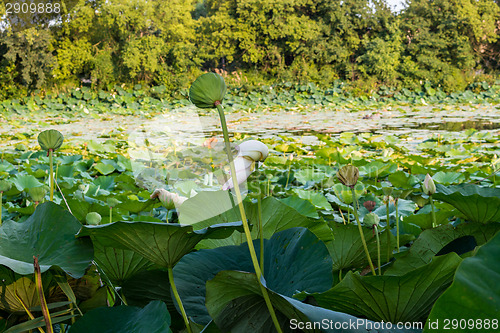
(294, 260)
(48, 234)
(304, 207)
(276, 216)
(347, 249)
(479, 204)
(431, 241)
(406, 298)
(234, 300)
(424, 220)
(118, 264)
(475, 291)
(161, 243)
(147, 286)
(153, 318)
(24, 182)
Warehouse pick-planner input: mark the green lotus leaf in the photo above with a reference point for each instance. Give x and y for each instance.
(294, 260)
(207, 89)
(234, 300)
(477, 203)
(146, 286)
(432, 241)
(50, 139)
(48, 234)
(38, 193)
(406, 298)
(475, 291)
(118, 264)
(164, 244)
(5, 185)
(153, 318)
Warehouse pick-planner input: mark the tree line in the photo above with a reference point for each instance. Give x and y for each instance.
(448, 43)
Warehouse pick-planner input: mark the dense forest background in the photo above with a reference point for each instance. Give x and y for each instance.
(450, 44)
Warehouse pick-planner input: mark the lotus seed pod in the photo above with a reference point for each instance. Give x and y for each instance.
(112, 202)
(37, 193)
(5, 185)
(93, 218)
(428, 186)
(348, 175)
(369, 205)
(207, 90)
(371, 219)
(50, 139)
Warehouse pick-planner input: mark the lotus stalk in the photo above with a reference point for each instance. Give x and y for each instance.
(387, 189)
(178, 299)
(207, 91)
(348, 175)
(51, 140)
(261, 233)
(372, 220)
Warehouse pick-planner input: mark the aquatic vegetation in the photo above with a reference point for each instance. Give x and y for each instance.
(163, 233)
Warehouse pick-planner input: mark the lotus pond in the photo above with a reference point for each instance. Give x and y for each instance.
(363, 215)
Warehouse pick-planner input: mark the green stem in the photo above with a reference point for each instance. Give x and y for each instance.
(51, 162)
(355, 204)
(340, 274)
(261, 233)
(378, 251)
(1, 193)
(110, 214)
(178, 298)
(388, 231)
(248, 235)
(288, 176)
(433, 212)
(397, 223)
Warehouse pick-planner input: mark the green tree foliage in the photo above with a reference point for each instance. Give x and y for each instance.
(449, 43)
(443, 39)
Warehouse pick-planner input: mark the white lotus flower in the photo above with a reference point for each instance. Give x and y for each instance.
(168, 199)
(249, 152)
(428, 186)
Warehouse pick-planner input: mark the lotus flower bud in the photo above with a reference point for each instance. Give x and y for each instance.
(348, 175)
(37, 193)
(93, 218)
(207, 91)
(5, 185)
(50, 140)
(428, 186)
(371, 219)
